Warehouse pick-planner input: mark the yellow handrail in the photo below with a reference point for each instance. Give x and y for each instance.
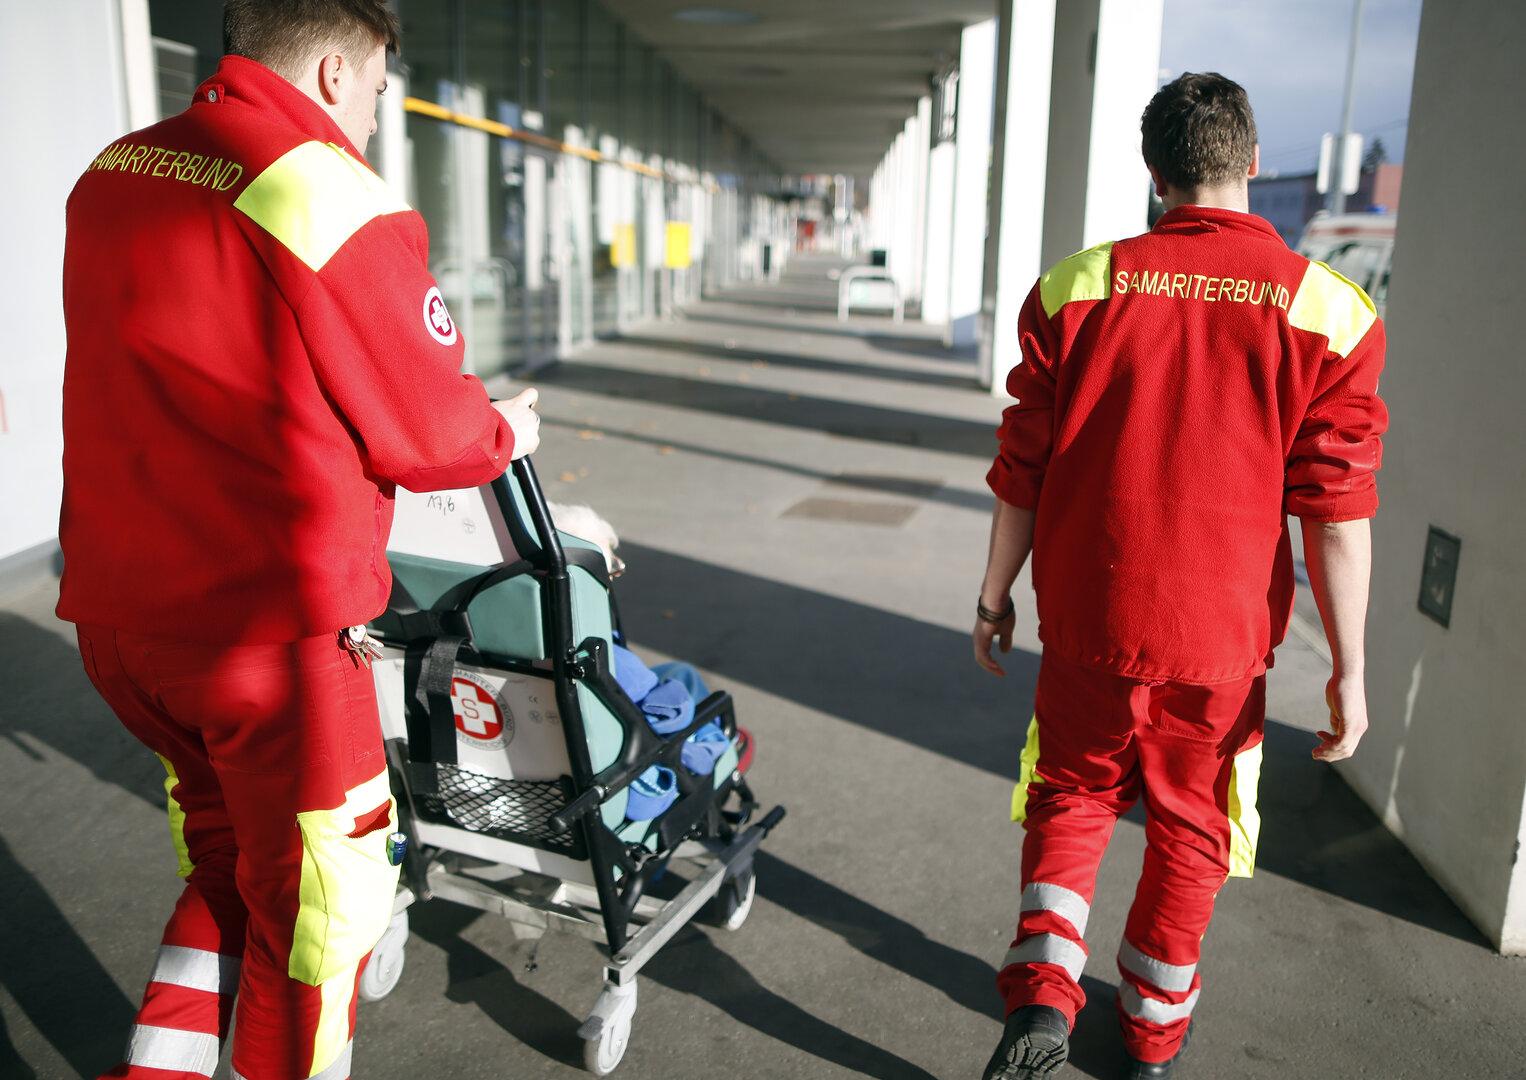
(504, 131)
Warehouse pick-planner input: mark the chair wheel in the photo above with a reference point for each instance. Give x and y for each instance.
(607, 1031)
(385, 967)
(603, 1055)
(733, 903)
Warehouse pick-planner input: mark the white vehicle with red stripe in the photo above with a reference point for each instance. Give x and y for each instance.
(1360, 246)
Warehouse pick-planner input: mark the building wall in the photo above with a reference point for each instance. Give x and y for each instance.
(67, 103)
(1445, 761)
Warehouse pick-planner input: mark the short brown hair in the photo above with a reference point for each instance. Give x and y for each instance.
(285, 35)
(1199, 130)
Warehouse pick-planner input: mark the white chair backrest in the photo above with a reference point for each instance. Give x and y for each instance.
(464, 525)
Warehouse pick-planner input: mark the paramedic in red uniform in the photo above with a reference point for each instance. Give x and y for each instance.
(257, 358)
(1179, 394)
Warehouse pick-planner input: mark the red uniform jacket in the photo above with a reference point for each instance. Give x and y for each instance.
(257, 355)
(1179, 394)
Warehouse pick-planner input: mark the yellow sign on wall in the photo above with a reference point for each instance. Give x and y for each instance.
(679, 255)
(623, 251)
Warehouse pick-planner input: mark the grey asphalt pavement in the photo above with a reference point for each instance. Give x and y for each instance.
(804, 517)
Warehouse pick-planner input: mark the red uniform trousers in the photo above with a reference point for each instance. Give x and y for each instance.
(1097, 742)
(281, 813)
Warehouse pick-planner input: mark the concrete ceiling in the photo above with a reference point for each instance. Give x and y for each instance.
(820, 86)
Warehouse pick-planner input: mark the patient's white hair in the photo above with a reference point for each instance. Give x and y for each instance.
(584, 523)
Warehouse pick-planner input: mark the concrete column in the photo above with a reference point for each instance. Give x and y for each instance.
(938, 234)
(77, 45)
(1025, 34)
(977, 87)
(1444, 763)
(921, 149)
(1106, 67)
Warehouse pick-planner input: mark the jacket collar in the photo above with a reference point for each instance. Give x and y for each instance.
(1192, 218)
(239, 79)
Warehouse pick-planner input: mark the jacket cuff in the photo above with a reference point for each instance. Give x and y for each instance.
(1014, 485)
(1327, 509)
(483, 460)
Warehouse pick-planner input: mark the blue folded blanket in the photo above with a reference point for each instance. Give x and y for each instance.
(704, 748)
(634, 677)
(669, 708)
(651, 793)
(667, 695)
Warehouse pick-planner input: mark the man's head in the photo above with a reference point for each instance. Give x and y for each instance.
(334, 51)
(1200, 141)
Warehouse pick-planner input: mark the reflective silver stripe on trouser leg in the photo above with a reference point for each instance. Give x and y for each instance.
(196, 969)
(1048, 949)
(338, 1069)
(1058, 900)
(1152, 1011)
(152, 1047)
(1173, 978)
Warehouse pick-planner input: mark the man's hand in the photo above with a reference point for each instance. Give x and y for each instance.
(985, 633)
(523, 420)
(1347, 698)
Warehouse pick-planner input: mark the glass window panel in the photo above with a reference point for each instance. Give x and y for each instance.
(562, 24)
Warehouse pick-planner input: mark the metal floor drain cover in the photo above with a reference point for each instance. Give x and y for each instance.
(852, 511)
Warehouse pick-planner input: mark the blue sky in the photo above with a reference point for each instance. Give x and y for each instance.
(1290, 55)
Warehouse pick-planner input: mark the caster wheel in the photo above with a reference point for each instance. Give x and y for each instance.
(603, 1055)
(733, 903)
(607, 1031)
(385, 968)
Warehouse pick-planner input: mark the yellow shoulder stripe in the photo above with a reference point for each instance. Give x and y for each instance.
(315, 197)
(1083, 276)
(1331, 304)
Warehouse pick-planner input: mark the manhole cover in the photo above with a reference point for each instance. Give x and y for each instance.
(852, 511)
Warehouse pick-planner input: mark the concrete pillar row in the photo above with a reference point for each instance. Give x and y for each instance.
(972, 161)
(1072, 81)
(1444, 762)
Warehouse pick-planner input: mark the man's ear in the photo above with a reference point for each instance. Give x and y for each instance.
(1255, 163)
(331, 70)
(1160, 184)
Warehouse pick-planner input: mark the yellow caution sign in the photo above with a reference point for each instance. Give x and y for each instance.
(679, 255)
(623, 251)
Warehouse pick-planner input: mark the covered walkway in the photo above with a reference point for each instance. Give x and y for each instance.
(804, 517)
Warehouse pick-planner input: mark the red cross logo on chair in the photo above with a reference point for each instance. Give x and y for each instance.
(476, 713)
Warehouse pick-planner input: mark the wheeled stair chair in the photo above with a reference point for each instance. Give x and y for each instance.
(513, 749)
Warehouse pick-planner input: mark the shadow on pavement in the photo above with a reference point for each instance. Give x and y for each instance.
(835, 656)
(966, 980)
(832, 416)
(891, 674)
(479, 979)
(982, 501)
(744, 355)
(693, 965)
(55, 979)
(778, 325)
(49, 700)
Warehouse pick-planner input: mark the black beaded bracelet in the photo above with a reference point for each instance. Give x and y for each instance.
(993, 617)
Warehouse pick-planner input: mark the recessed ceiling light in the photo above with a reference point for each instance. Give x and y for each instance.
(715, 16)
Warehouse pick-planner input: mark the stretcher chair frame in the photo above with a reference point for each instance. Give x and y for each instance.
(615, 913)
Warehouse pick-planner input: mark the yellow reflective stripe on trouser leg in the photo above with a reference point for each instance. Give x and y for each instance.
(1025, 773)
(331, 1040)
(344, 899)
(1244, 819)
(177, 819)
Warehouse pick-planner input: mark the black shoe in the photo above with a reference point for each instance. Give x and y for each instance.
(1155, 1070)
(1035, 1044)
